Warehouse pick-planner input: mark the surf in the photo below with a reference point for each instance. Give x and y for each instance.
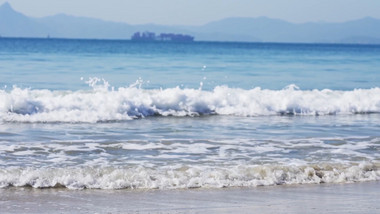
(104, 103)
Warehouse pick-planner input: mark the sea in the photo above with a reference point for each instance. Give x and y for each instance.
(120, 114)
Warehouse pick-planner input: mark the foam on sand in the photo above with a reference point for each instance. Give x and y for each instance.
(184, 176)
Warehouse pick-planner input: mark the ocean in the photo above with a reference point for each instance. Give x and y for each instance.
(114, 114)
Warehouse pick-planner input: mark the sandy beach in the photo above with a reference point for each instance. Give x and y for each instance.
(325, 198)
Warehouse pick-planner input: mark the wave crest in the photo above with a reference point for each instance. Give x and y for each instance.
(107, 104)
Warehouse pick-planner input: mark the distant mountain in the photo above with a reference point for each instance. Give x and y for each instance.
(15, 24)
(65, 26)
(264, 29)
(261, 29)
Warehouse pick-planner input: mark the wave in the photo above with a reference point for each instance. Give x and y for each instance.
(103, 103)
(184, 177)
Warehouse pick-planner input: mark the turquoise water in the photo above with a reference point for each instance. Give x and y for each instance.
(119, 114)
(59, 64)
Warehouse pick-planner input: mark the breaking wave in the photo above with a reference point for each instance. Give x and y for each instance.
(104, 103)
(185, 177)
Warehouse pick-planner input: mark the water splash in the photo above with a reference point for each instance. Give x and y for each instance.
(104, 103)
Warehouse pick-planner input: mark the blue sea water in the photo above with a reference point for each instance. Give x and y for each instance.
(115, 114)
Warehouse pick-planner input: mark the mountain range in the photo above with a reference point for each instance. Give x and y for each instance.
(261, 29)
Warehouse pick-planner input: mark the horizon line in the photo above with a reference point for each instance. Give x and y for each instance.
(195, 41)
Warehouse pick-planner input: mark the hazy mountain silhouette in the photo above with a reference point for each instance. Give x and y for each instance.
(65, 26)
(15, 24)
(261, 29)
(275, 30)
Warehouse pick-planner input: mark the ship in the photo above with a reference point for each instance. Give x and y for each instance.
(169, 37)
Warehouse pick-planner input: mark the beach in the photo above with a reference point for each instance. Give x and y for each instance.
(185, 107)
(360, 198)
(118, 126)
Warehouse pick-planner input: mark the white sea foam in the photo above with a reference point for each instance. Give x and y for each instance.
(183, 176)
(103, 103)
(170, 151)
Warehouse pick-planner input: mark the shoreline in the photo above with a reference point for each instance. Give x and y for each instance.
(359, 197)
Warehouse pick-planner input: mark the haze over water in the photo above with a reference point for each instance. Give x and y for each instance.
(119, 114)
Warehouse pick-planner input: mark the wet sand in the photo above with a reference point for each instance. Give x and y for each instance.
(325, 198)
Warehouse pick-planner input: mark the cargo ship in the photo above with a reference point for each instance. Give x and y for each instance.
(170, 37)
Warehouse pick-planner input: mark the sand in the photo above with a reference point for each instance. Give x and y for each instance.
(324, 198)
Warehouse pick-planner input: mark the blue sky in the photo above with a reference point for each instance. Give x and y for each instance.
(197, 12)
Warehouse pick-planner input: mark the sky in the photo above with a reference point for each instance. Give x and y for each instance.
(198, 12)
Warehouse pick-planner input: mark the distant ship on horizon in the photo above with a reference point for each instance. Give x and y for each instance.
(170, 37)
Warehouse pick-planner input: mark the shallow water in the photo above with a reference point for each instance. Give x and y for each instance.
(119, 114)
